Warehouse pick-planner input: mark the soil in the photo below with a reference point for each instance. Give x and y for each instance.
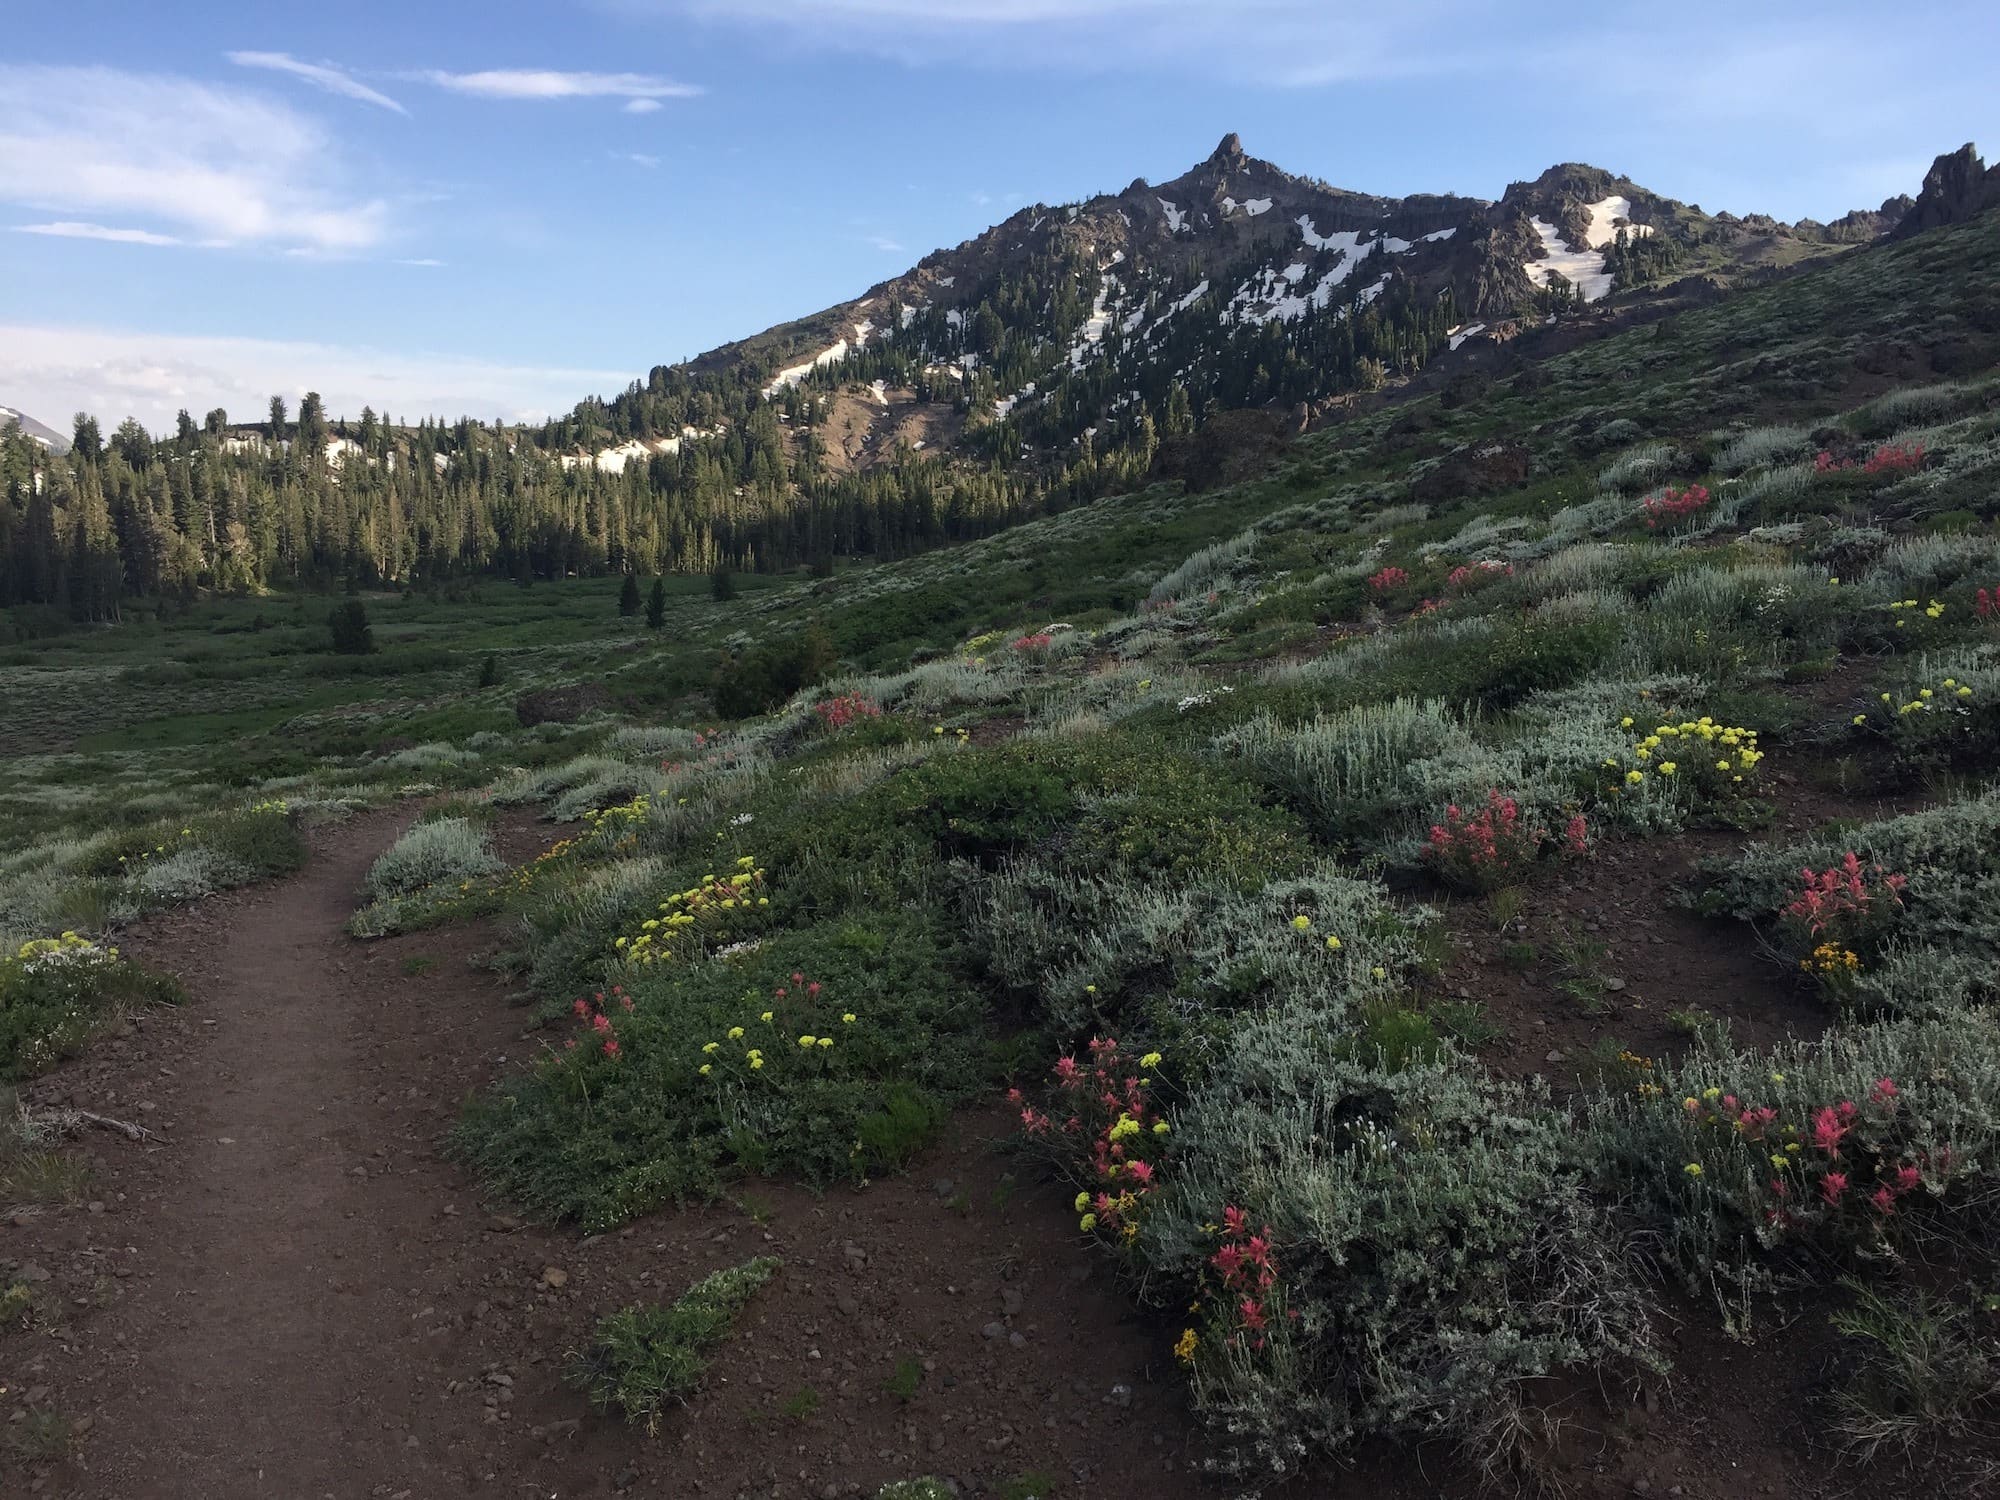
(289, 1289)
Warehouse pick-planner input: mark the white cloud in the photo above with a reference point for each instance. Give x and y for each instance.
(46, 369)
(222, 164)
(639, 157)
(71, 229)
(323, 75)
(540, 83)
(420, 261)
(641, 106)
(883, 243)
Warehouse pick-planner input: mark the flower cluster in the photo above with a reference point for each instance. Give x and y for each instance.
(1247, 1269)
(1492, 846)
(1671, 504)
(67, 948)
(1470, 576)
(1844, 911)
(1697, 759)
(718, 901)
(802, 1003)
(1387, 579)
(1037, 641)
(1108, 1137)
(1986, 603)
(1898, 608)
(1930, 719)
(1834, 1164)
(1889, 458)
(1201, 700)
(594, 1011)
(837, 713)
(614, 825)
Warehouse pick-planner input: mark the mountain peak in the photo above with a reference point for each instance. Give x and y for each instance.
(1230, 153)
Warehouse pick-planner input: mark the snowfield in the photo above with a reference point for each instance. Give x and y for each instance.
(1583, 268)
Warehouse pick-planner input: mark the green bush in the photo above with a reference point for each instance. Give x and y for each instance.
(700, 1087)
(433, 852)
(1942, 953)
(641, 1358)
(1437, 1252)
(347, 624)
(1745, 1161)
(57, 993)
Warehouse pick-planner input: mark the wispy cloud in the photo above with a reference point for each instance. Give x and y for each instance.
(323, 75)
(642, 106)
(542, 83)
(71, 229)
(151, 376)
(216, 164)
(424, 260)
(638, 158)
(885, 244)
(1274, 41)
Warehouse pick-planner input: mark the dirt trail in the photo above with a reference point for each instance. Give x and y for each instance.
(294, 1294)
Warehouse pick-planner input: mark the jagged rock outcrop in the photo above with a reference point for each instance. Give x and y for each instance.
(1957, 186)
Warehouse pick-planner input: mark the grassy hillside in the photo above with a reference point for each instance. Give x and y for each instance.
(1528, 864)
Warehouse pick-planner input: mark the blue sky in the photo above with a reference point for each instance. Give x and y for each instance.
(495, 208)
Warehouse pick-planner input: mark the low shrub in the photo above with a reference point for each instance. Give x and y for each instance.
(1429, 1244)
(818, 1053)
(1942, 952)
(1748, 1161)
(641, 1358)
(432, 852)
(56, 993)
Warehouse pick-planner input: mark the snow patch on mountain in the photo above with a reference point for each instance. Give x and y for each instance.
(1604, 222)
(1176, 218)
(1584, 269)
(1100, 319)
(793, 374)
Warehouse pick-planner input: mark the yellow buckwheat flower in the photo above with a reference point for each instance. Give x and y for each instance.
(1302, 922)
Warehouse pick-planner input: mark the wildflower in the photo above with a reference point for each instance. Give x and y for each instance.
(847, 1018)
(1633, 778)
(765, 1017)
(1082, 1202)
(1087, 1223)
(711, 1048)
(1379, 972)
(736, 1033)
(611, 1048)
(1833, 1187)
(1302, 922)
(1184, 1348)
(1693, 1169)
(808, 1040)
(755, 1059)
(1333, 943)
(1160, 1127)
(705, 1069)
(1667, 768)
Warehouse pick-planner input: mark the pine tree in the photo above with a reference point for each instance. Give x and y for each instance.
(656, 605)
(628, 596)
